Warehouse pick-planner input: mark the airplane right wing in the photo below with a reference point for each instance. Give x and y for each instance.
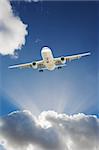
(21, 66)
(34, 65)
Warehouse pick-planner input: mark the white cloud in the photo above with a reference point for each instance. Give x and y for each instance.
(2, 147)
(50, 131)
(12, 29)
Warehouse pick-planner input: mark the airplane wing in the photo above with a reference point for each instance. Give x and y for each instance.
(21, 66)
(77, 56)
(34, 65)
(62, 60)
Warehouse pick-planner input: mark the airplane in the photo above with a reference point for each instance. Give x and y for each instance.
(48, 61)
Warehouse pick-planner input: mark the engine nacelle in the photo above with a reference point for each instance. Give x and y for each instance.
(34, 65)
(63, 60)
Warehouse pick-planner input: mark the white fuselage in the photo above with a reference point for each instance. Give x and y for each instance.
(48, 58)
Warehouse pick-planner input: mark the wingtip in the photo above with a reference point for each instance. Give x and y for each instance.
(10, 67)
(89, 53)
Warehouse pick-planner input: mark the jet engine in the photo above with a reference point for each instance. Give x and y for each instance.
(34, 65)
(63, 60)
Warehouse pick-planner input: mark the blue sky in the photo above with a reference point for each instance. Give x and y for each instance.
(67, 28)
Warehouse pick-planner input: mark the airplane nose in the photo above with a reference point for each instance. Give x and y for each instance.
(45, 49)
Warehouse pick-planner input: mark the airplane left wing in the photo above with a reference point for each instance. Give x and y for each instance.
(72, 57)
(34, 65)
(63, 60)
